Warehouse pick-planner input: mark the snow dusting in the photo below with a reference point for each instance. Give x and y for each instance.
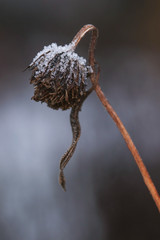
(48, 57)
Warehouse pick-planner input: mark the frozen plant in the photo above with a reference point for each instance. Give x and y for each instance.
(60, 76)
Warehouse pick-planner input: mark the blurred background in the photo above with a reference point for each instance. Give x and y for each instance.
(106, 197)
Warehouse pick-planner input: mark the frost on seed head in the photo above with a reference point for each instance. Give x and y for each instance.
(59, 76)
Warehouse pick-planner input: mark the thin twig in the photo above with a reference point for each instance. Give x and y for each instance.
(94, 79)
(146, 177)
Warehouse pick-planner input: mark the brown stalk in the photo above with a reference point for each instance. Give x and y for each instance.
(94, 79)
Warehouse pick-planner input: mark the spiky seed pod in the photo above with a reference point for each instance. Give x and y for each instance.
(59, 76)
(60, 79)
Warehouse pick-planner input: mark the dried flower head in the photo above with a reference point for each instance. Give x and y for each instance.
(59, 76)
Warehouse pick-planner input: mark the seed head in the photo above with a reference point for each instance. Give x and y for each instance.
(59, 76)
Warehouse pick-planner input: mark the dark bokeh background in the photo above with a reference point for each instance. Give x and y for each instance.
(106, 197)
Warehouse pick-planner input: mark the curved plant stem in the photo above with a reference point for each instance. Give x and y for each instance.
(146, 177)
(94, 79)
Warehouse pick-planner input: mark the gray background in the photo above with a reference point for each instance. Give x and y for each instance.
(106, 197)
